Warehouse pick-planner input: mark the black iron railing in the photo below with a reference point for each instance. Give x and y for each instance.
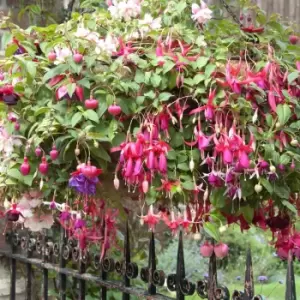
(42, 251)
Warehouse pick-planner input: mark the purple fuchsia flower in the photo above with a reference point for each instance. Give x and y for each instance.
(79, 222)
(84, 185)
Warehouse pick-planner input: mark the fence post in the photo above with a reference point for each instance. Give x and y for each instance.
(14, 243)
(212, 277)
(126, 262)
(62, 264)
(45, 271)
(249, 284)
(151, 265)
(28, 268)
(290, 293)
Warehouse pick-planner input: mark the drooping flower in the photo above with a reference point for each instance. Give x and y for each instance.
(201, 13)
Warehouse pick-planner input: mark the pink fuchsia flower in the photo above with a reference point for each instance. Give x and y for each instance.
(201, 13)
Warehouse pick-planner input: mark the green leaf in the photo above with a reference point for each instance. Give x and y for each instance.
(41, 110)
(212, 230)
(290, 206)
(282, 192)
(31, 68)
(209, 70)
(269, 119)
(188, 185)
(293, 76)
(102, 153)
(139, 77)
(198, 78)
(248, 213)
(76, 119)
(202, 61)
(183, 167)
(217, 197)
(155, 80)
(284, 113)
(177, 140)
(71, 89)
(164, 96)
(102, 108)
(168, 66)
(6, 38)
(15, 173)
(60, 69)
(150, 94)
(284, 159)
(267, 185)
(10, 50)
(84, 82)
(91, 115)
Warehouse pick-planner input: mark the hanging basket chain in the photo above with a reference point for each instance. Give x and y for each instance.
(231, 12)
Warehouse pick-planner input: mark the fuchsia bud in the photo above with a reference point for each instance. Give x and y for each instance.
(145, 186)
(114, 109)
(116, 183)
(52, 56)
(207, 249)
(38, 151)
(77, 57)
(54, 153)
(221, 250)
(1, 76)
(43, 167)
(25, 167)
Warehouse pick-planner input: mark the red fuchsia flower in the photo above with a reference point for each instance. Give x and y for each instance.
(172, 223)
(159, 53)
(151, 219)
(168, 186)
(209, 108)
(125, 48)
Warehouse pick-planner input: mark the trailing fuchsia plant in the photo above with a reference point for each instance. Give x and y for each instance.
(198, 121)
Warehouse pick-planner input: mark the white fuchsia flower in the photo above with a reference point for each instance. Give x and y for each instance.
(62, 54)
(125, 10)
(108, 45)
(7, 142)
(149, 23)
(201, 13)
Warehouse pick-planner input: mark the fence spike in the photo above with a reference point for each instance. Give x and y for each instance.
(151, 265)
(290, 293)
(180, 270)
(249, 283)
(212, 277)
(126, 261)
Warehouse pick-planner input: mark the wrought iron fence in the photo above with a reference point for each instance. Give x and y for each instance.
(44, 252)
